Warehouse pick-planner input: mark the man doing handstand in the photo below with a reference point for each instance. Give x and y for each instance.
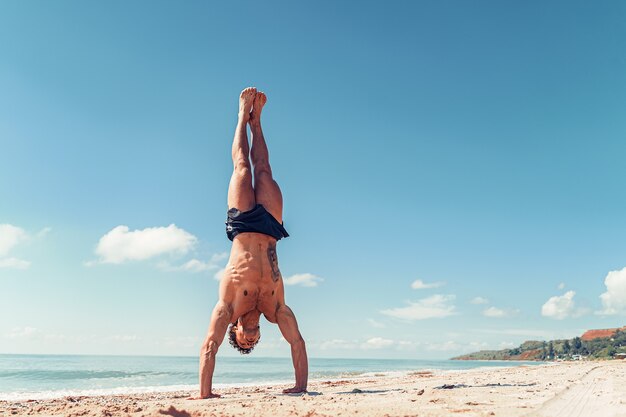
(252, 284)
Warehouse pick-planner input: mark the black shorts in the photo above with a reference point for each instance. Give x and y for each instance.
(257, 220)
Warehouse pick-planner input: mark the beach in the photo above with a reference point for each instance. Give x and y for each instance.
(559, 389)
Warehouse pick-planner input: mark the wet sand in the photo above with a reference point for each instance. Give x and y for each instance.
(586, 389)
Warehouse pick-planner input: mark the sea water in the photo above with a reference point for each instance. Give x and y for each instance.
(52, 376)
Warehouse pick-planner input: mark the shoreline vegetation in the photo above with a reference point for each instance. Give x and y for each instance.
(602, 344)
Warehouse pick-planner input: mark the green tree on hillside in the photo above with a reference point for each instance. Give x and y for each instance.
(598, 348)
(578, 345)
(566, 347)
(619, 339)
(611, 351)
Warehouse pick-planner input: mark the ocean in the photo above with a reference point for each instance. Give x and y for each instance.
(51, 376)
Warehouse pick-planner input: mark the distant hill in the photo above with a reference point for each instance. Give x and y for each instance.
(594, 344)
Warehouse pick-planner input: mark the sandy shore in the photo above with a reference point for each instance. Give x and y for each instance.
(583, 389)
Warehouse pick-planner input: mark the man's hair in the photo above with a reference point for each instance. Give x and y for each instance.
(232, 339)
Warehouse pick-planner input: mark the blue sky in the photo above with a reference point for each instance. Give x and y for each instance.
(452, 171)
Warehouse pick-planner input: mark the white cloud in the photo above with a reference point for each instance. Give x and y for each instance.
(376, 343)
(196, 265)
(10, 236)
(219, 274)
(376, 324)
(407, 345)
(614, 299)
(43, 232)
(534, 333)
(181, 341)
(495, 312)
(336, 344)
(435, 306)
(561, 286)
(120, 245)
(124, 338)
(23, 333)
(560, 307)
(305, 280)
(418, 284)
(507, 345)
(479, 300)
(14, 263)
(453, 346)
(445, 346)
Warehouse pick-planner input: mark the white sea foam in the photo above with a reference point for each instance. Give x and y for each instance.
(48, 395)
(386, 374)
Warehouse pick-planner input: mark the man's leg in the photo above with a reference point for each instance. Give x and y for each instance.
(240, 191)
(266, 190)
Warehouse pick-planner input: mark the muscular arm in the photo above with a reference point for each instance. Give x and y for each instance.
(289, 328)
(220, 319)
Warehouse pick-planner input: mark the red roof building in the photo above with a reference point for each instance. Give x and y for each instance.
(596, 334)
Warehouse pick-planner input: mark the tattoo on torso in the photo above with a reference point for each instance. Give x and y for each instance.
(271, 256)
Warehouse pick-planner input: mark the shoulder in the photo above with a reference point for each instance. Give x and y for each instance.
(223, 309)
(283, 310)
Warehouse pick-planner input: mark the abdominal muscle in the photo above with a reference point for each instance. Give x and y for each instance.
(252, 279)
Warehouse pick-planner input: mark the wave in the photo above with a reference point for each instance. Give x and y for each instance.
(126, 390)
(46, 374)
(47, 395)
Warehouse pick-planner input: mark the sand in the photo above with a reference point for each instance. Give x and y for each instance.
(585, 389)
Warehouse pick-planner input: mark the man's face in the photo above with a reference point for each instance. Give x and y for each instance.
(247, 336)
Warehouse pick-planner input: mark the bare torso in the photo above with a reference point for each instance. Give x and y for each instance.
(252, 280)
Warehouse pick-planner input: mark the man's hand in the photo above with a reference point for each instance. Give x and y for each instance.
(294, 390)
(211, 395)
(217, 329)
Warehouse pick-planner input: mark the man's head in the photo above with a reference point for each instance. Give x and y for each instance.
(244, 338)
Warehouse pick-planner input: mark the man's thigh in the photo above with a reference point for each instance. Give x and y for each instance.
(267, 193)
(240, 192)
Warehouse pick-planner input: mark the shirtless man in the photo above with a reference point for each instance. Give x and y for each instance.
(252, 284)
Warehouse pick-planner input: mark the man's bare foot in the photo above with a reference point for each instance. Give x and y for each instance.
(246, 99)
(211, 395)
(259, 101)
(294, 390)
